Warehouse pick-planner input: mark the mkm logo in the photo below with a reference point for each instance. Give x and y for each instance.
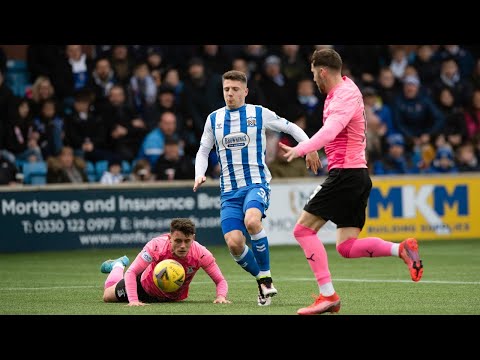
(428, 200)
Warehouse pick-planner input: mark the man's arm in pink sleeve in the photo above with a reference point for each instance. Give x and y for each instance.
(135, 269)
(213, 270)
(325, 135)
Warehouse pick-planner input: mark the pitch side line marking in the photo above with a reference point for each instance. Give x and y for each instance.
(241, 281)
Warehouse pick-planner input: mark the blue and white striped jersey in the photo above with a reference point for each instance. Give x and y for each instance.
(239, 138)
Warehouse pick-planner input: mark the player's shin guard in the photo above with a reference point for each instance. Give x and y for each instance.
(247, 261)
(261, 250)
(315, 253)
(115, 276)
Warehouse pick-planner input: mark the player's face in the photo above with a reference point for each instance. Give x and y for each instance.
(181, 243)
(319, 73)
(234, 93)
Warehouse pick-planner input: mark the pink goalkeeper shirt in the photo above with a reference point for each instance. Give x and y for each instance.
(344, 127)
(159, 249)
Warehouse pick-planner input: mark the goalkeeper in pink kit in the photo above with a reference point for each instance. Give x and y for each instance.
(342, 198)
(137, 287)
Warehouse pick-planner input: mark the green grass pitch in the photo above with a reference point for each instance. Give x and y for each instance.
(70, 283)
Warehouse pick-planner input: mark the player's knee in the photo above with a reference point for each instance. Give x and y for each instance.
(253, 225)
(109, 294)
(236, 244)
(300, 231)
(344, 248)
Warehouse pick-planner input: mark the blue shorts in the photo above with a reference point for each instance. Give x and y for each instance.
(236, 203)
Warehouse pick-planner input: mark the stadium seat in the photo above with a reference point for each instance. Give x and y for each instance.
(100, 167)
(126, 168)
(17, 77)
(35, 173)
(91, 172)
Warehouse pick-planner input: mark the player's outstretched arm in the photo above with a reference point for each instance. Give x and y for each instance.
(213, 270)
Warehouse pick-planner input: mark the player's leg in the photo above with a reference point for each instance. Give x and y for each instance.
(115, 269)
(305, 233)
(236, 243)
(233, 228)
(320, 208)
(349, 225)
(255, 204)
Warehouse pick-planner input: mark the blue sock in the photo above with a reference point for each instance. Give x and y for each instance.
(247, 261)
(261, 251)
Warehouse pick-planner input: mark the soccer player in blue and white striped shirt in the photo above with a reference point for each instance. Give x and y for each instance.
(238, 133)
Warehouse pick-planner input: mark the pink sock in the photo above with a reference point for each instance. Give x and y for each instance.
(366, 247)
(115, 276)
(314, 251)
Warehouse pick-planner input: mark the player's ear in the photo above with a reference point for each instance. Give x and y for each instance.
(246, 92)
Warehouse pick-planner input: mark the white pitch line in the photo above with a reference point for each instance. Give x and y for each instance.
(365, 280)
(51, 287)
(241, 281)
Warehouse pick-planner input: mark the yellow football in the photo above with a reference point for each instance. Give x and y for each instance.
(169, 275)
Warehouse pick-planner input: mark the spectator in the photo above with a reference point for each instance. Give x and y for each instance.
(142, 172)
(466, 159)
(277, 88)
(50, 128)
(153, 145)
(472, 115)
(20, 134)
(113, 175)
(8, 171)
(415, 115)
(427, 66)
(388, 86)
(395, 161)
(450, 77)
(84, 131)
(72, 73)
(142, 90)
(203, 93)
(42, 89)
(101, 82)
(122, 63)
(66, 168)
(455, 125)
(125, 129)
(171, 165)
(444, 161)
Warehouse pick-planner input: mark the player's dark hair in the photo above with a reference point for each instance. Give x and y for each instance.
(328, 58)
(235, 75)
(183, 225)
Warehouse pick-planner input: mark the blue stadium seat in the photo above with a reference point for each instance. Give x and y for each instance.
(17, 77)
(126, 168)
(91, 172)
(100, 167)
(35, 173)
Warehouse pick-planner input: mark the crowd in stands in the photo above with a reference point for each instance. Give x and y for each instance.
(136, 112)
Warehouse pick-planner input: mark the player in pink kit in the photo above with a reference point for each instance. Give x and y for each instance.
(137, 287)
(343, 196)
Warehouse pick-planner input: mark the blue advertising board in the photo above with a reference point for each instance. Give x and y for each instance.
(103, 217)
